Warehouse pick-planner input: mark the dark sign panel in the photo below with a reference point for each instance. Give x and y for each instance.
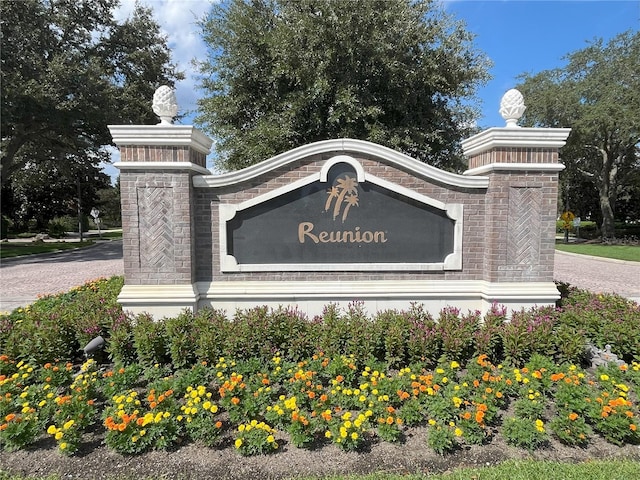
(340, 221)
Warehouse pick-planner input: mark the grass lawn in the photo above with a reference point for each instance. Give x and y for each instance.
(619, 252)
(14, 249)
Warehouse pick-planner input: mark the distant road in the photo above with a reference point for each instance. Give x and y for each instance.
(23, 279)
(598, 274)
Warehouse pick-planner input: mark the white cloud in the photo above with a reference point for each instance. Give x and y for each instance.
(178, 21)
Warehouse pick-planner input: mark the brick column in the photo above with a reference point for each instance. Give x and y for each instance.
(157, 164)
(521, 207)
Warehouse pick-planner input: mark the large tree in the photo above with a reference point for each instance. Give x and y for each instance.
(283, 73)
(597, 95)
(68, 70)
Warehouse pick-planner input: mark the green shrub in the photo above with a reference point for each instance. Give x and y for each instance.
(181, 338)
(56, 229)
(149, 340)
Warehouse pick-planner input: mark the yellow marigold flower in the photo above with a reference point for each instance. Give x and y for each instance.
(458, 432)
(432, 422)
(59, 435)
(143, 433)
(134, 439)
(238, 443)
(214, 409)
(346, 416)
(241, 427)
(347, 424)
(354, 436)
(42, 403)
(206, 405)
(604, 377)
(270, 439)
(343, 432)
(63, 446)
(52, 430)
(327, 434)
(68, 425)
(454, 364)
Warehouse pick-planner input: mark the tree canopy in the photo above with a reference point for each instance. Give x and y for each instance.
(283, 73)
(68, 69)
(596, 94)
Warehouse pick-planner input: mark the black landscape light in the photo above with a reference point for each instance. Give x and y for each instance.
(94, 345)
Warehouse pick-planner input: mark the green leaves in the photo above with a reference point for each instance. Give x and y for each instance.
(596, 95)
(281, 74)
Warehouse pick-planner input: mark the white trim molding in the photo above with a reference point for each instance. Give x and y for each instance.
(159, 300)
(454, 211)
(161, 135)
(524, 137)
(151, 166)
(312, 296)
(515, 167)
(342, 147)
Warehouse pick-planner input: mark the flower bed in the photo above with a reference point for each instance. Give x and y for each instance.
(257, 405)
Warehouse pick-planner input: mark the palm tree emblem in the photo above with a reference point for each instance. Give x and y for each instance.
(345, 193)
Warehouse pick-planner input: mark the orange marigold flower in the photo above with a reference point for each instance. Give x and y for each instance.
(466, 415)
(573, 416)
(235, 400)
(312, 394)
(323, 397)
(218, 424)
(10, 417)
(122, 427)
(633, 427)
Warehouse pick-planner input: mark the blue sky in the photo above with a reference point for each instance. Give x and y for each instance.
(517, 35)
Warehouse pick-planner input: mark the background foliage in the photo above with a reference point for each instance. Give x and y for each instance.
(284, 73)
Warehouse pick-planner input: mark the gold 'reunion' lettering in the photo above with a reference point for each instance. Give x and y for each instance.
(305, 231)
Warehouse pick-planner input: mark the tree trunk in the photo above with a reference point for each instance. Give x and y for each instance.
(607, 181)
(608, 227)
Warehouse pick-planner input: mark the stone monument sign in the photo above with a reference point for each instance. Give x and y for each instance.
(337, 221)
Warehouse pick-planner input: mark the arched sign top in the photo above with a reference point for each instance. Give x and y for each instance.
(342, 148)
(324, 171)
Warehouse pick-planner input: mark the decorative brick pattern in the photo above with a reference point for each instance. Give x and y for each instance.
(155, 209)
(525, 209)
